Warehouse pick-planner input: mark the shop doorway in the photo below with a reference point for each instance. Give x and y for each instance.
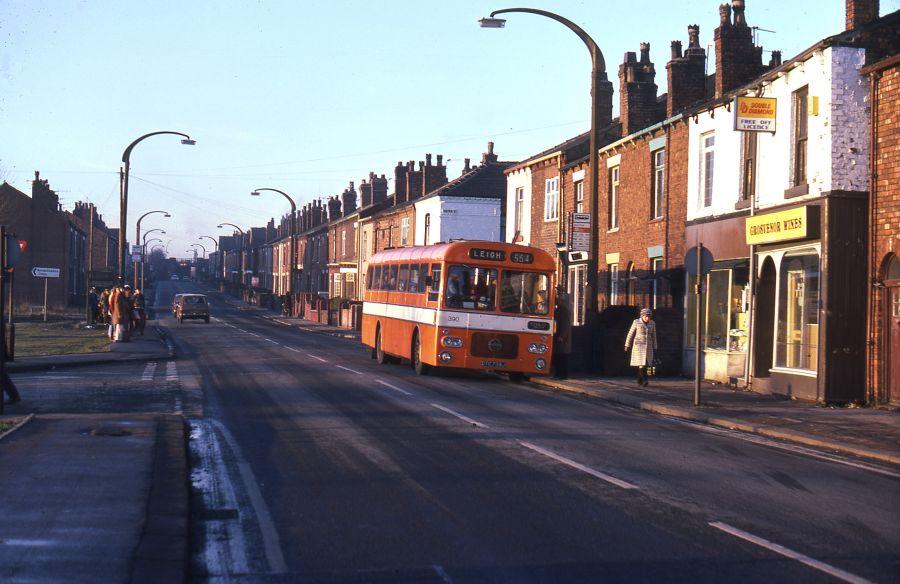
(892, 329)
(765, 320)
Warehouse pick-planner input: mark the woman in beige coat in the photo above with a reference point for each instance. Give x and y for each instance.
(642, 340)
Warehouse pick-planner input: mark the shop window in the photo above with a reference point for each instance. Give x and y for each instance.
(725, 310)
(797, 337)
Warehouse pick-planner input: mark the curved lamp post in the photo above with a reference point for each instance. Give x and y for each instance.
(599, 84)
(137, 239)
(241, 231)
(144, 251)
(123, 186)
(201, 246)
(291, 262)
(216, 251)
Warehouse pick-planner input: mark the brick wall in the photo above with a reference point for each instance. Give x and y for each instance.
(544, 234)
(885, 234)
(387, 227)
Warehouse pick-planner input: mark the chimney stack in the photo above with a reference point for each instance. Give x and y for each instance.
(686, 73)
(637, 92)
(466, 167)
(738, 60)
(365, 192)
(334, 208)
(379, 188)
(489, 156)
(400, 172)
(435, 174)
(414, 181)
(861, 12)
(348, 199)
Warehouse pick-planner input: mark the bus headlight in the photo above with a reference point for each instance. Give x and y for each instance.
(540, 364)
(539, 348)
(452, 342)
(445, 356)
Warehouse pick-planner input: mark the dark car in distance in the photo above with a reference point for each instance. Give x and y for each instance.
(190, 306)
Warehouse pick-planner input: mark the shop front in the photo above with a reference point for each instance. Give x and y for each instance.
(725, 306)
(809, 319)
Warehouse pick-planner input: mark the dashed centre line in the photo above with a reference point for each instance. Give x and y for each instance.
(293, 349)
(460, 416)
(780, 549)
(171, 371)
(394, 387)
(577, 465)
(317, 358)
(350, 370)
(149, 369)
(271, 341)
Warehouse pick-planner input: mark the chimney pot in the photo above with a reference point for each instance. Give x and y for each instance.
(440, 159)
(676, 49)
(630, 57)
(775, 60)
(428, 159)
(490, 147)
(466, 167)
(645, 52)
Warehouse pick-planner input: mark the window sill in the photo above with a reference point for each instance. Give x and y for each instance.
(551, 219)
(742, 204)
(797, 191)
(656, 219)
(613, 230)
(789, 371)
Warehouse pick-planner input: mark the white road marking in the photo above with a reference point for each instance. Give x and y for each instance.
(779, 549)
(251, 334)
(177, 405)
(293, 349)
(314, 357)
(442, 574)
(350, 370)
(271, 542)
(171, 371)
(460, 416)
(394, 387)
(577, 465)
(763, 441)
(271, 341)
(149, 369)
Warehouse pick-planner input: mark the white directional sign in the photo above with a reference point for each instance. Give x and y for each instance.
(45, 272)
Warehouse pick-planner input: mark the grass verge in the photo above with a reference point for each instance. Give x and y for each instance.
(65, 337)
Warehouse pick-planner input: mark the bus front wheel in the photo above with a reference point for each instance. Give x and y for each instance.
(417, 364)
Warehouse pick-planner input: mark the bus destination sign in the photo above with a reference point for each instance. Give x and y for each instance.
(494, 255)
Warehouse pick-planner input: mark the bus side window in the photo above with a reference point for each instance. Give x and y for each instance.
(403, 278)
(423, 272)
(414, 278)
(375, 283)
(392, 282)
(435, 282)
(385, 278)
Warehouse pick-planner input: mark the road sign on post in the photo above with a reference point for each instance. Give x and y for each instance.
(698, 261)
(45, 273)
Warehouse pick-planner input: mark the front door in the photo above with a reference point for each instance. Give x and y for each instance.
(892, 326)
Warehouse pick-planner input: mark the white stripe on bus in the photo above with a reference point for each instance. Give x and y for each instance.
(451, 318)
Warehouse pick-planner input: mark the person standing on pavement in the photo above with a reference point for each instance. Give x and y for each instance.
(140, 309)
(642, 341)
(104, 306)
(110, 308)
(93, 305)
(562, 338)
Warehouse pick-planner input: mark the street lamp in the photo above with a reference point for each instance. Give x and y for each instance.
(599, 84)
(241, 231)
(201, 246)
(216, 251)
(144, 252)
(137, 239)
(123, 197)
(255, 193)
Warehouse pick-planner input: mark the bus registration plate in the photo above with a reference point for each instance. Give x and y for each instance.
(493, 364)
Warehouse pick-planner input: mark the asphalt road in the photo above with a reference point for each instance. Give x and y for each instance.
(312, 462)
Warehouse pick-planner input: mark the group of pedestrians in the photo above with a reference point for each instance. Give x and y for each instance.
(123, 309)
(640, 340)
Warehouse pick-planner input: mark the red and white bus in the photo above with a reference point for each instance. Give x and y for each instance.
(479, 305)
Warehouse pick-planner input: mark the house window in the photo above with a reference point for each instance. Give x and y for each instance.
(708, 159)
(519, 208)
(801, 128)
(404, 231)
(613, 284)
(576, 286)
(579, 197)
(343, 243)
(629, 284)
(365, 245)
(748, 166)
(551, 199)
(427, 228)
(613, 197)
(658, 186)
(656, 266)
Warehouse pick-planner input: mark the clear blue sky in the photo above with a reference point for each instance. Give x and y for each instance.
(306, 96)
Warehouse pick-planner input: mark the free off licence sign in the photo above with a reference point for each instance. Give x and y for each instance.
(779, 226)
(755, 114)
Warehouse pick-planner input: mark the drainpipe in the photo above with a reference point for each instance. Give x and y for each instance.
(870, 279)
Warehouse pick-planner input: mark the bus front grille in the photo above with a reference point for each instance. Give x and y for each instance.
(495, 345)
